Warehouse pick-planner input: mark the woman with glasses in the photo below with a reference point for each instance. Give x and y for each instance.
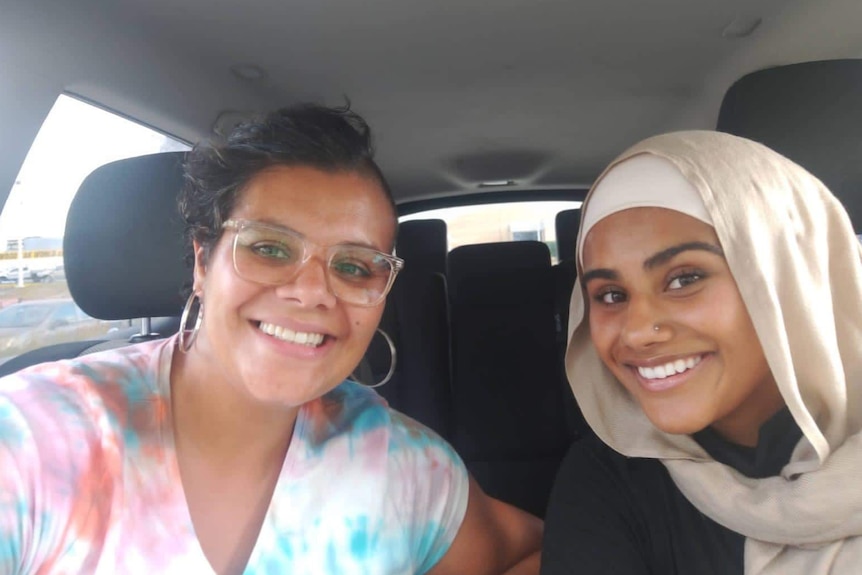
(241, 445)
(714, 349)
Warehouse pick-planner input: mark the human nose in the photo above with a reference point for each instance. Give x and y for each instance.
(309, 285)
(644, 324)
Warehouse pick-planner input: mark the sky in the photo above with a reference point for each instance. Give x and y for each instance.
(75, 138)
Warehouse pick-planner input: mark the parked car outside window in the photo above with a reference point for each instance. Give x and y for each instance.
(36, 323)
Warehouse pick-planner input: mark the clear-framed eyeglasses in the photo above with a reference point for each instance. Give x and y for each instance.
(273, 255)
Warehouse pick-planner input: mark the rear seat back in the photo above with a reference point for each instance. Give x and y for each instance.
(510, 425)
(417, 319)
(422, 244)
(567, 224)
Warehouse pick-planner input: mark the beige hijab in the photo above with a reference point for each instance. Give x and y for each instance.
(798, 265)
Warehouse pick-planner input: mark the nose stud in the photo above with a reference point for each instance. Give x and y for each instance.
(656, 327)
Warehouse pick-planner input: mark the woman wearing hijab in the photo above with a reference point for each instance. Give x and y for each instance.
(715, 348)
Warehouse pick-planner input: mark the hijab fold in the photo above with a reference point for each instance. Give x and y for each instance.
(796, 260)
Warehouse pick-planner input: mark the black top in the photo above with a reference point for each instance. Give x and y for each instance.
(612, 514)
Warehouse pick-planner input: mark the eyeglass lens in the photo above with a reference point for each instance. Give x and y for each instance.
(354, 274)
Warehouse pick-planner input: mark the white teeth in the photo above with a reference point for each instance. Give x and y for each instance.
(285, 334)
(669, 369)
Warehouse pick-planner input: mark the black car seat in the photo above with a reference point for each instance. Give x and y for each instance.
(811, 113)
(123, 253)
(424, 244)
(567, 224)
(508, 395)
(416, 318)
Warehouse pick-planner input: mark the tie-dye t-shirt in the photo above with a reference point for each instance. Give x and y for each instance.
(89, 481)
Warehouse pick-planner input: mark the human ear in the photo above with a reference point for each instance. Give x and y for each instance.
(200, 269)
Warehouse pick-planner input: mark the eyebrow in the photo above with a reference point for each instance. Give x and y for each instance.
(599, 274)
(668, 254)
(654, 260)
(281, 227)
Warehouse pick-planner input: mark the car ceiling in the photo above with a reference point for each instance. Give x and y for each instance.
(459, 92)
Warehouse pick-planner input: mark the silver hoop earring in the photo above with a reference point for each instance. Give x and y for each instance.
(187, 337)
(392, 353)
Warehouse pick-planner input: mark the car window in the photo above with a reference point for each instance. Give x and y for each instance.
(66, 313)
(19, 316)
(499, 222)
(75, 138)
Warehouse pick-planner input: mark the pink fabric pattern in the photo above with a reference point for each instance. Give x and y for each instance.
(89, 481)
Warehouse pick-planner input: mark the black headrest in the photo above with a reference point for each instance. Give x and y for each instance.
(491, 261)
(123, 246)
(567, 224)
(811, 113)
(423, 244)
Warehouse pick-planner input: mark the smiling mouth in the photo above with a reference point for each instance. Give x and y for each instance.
(670, 368)
(299, 337)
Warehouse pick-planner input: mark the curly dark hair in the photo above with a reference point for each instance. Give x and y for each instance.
(329, 139)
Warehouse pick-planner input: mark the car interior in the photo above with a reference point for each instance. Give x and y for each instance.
(472, 103)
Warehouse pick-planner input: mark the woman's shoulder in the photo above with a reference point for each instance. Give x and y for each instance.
(81, 392)
(386, 440)
(593, 522)
(356, 409)
(590, 457)
(68, 430)
(353, 422)
(612, 513)
(134, 358)
(593, 473)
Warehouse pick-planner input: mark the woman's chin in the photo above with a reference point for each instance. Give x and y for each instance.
(286, 389)
(677, 422)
